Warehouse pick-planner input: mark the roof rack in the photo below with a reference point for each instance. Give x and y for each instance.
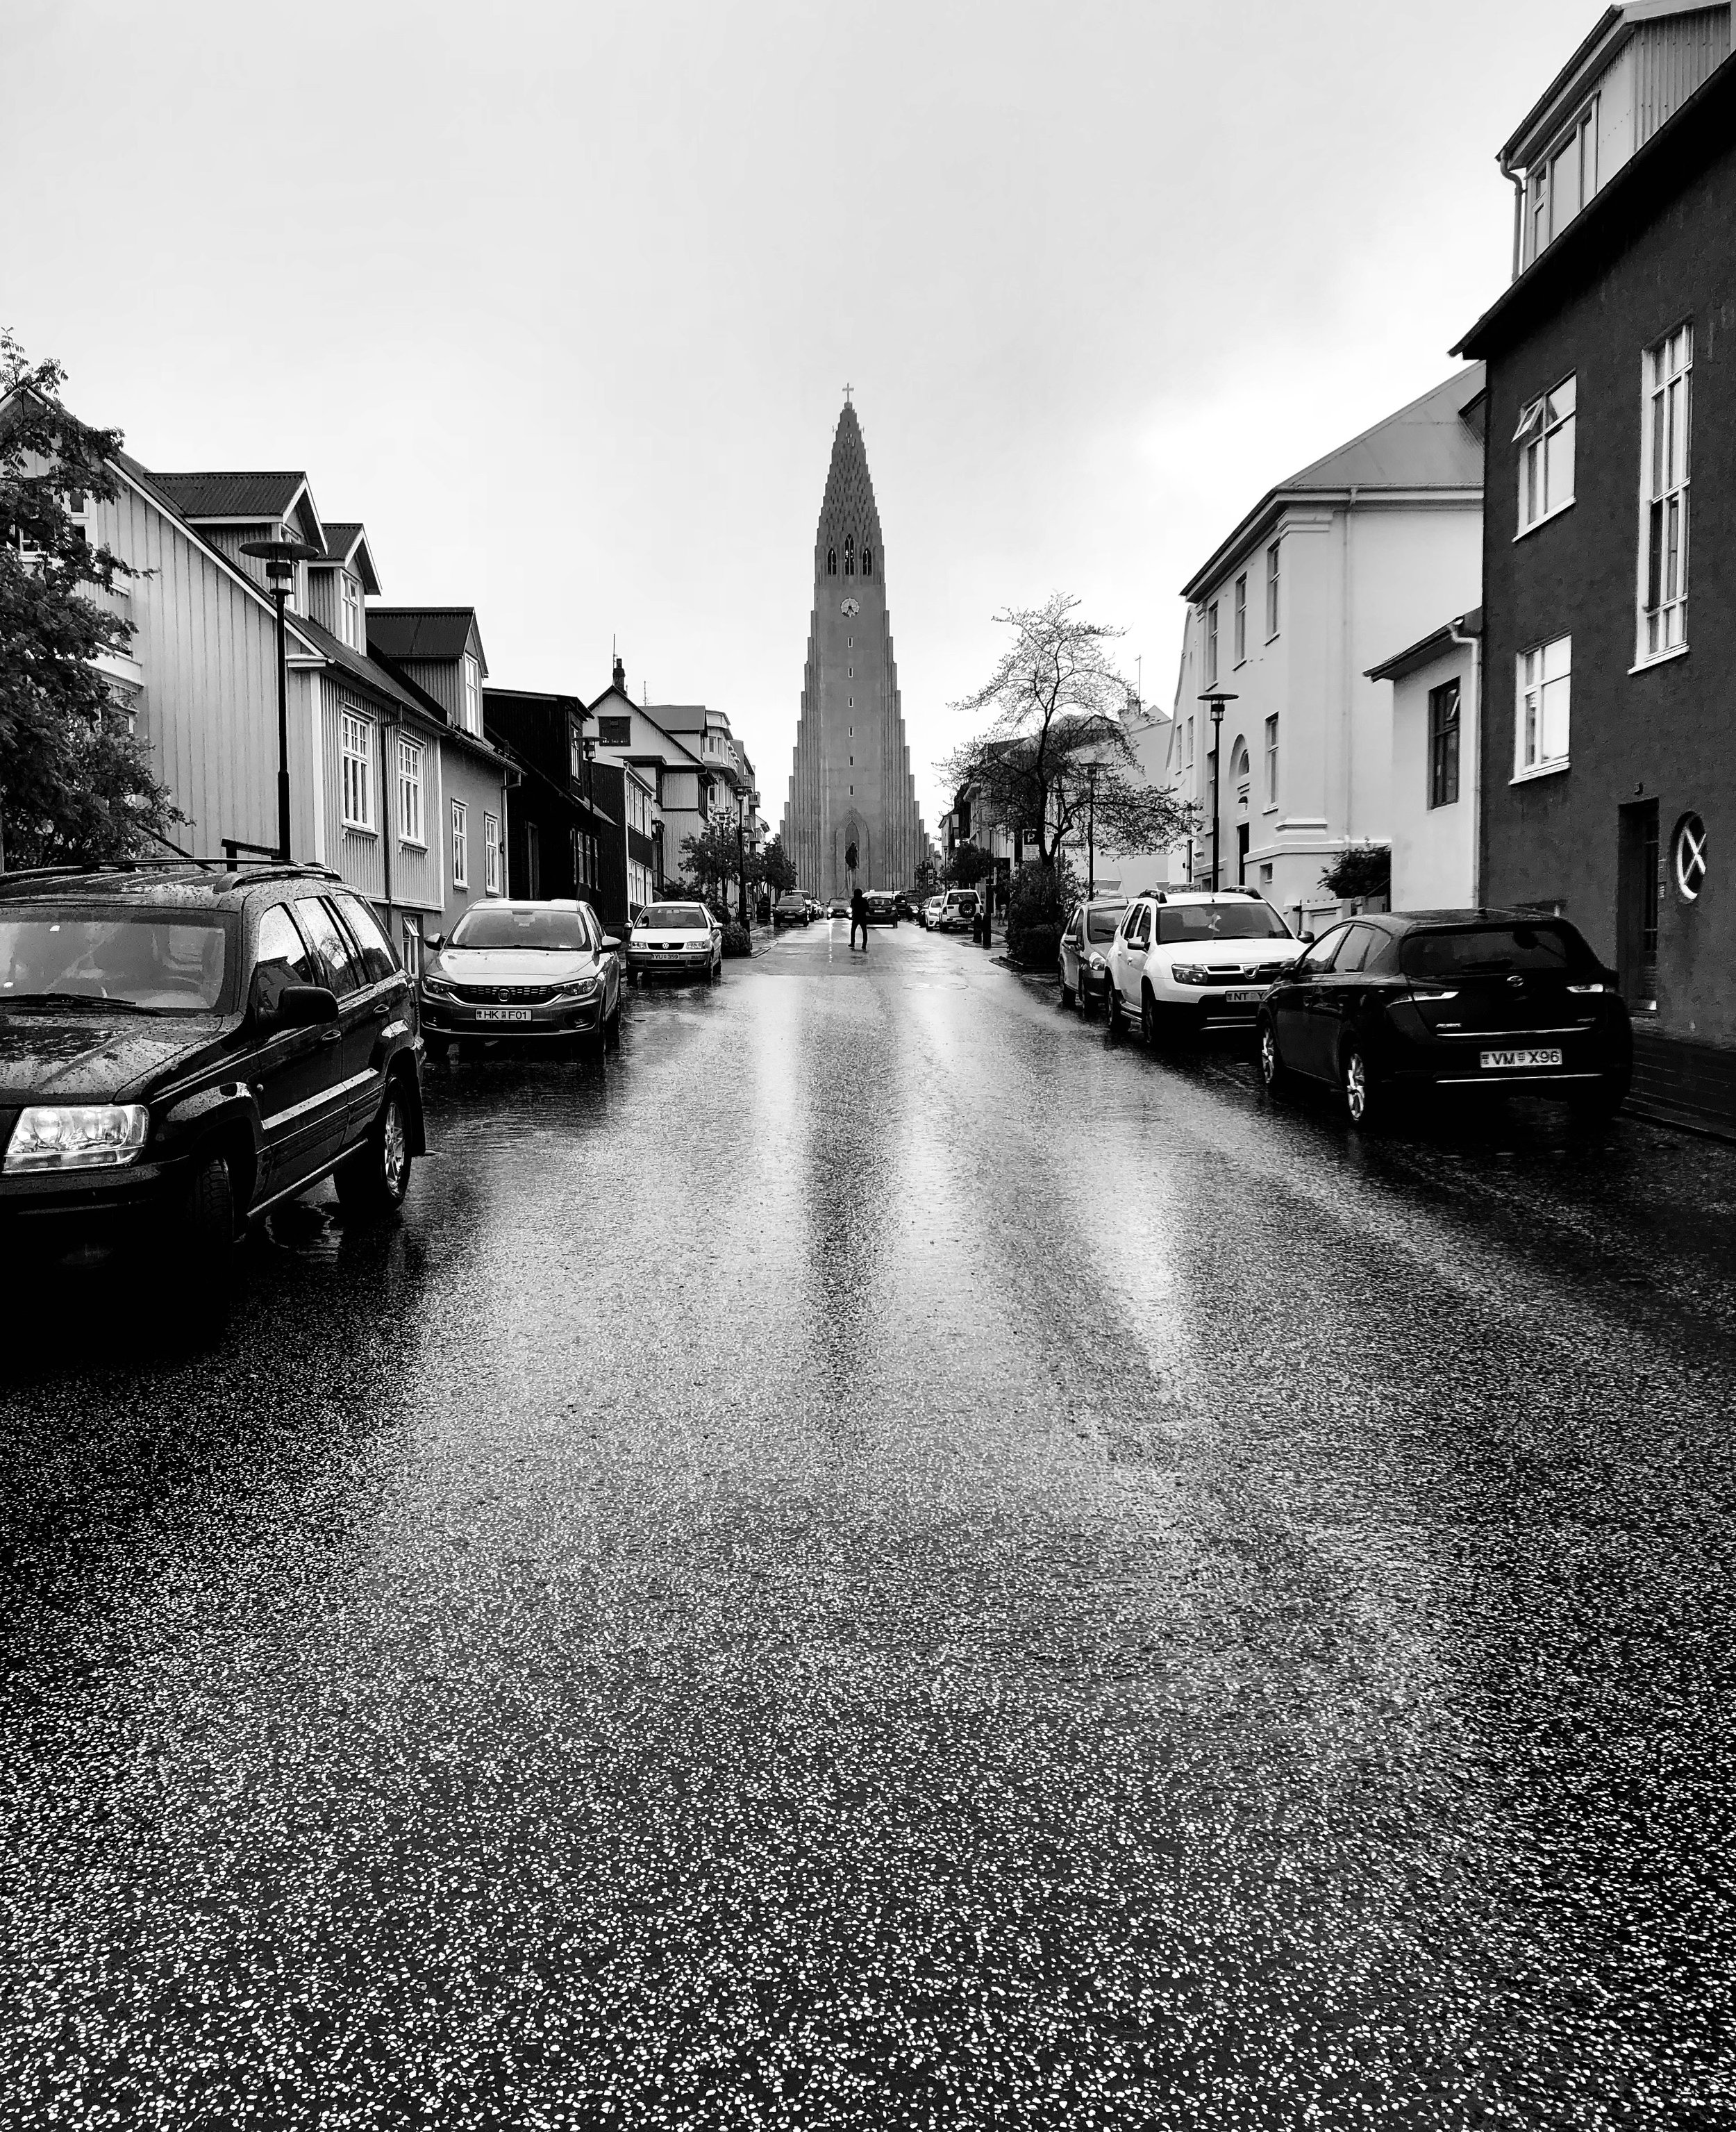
(229, 870)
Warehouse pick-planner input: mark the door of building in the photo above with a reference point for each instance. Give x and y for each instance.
(1636, 898)
(1241, 854)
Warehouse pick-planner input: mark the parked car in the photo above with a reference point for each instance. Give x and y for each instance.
(790, 909)
(1450, 1001)
(839, 907)
(1190, 961)
(183, 1046)
(882, 907)
(814, 909)
(1085, 944)
(523, 970)
(958, 912)
(929, 917)
(675, 939)
(905, 903)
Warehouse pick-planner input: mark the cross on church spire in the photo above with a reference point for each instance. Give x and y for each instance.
(848, 390)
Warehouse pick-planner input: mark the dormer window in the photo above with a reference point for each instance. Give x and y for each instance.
(349, 610)
(1561, 182)
(471, 713)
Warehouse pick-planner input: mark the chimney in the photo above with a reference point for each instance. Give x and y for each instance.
(620, 675)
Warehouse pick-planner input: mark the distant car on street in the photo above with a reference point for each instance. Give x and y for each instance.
(1086, 938)
(906, 902)
(958, 912)
(1447, 1001)
(882, 907)
(929, 917)
(839, 907)
(1193, 962)
(182, 1048)
(675, 939)
(523, 970)
(790, 909)
(814, 907)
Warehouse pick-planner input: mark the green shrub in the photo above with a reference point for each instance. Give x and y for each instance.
(1360, 871)
(1039, 948)
(1035, 915)
(737, 940)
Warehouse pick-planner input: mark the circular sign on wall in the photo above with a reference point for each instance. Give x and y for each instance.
(1689, 846)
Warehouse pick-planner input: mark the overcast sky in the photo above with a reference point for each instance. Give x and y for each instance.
(560, 300)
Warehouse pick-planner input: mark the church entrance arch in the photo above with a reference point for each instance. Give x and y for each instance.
(850, 856)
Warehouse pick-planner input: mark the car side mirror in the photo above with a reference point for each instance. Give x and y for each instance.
(609, 942)
(1307, 939)
(305, 1006)
(436, 941)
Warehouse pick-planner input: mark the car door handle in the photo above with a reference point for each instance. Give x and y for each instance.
(331, 1036)
(380, 1009)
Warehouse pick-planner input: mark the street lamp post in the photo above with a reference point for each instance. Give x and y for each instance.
(1217, 698)
(1090, 830)
(747, 800)
(280, 558)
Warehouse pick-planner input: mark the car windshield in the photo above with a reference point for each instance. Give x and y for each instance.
(1101, 923)
(1495, 951)
(150, 960)
(673, 918)
(497, 925)
(1178, 922)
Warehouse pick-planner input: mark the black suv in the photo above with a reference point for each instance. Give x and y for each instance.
(182, 1046)
(1450, 1000)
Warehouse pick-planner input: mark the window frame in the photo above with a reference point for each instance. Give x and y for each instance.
(1274, 572)
(1272, 763)
(1239, 628)
(458, 825)
(492, 867)
(411, 776)
(1211, 645)
(1539, 427)
(1655, 618)
(355, 750)
(1542, 766)
(470, 682)
(1439, 734)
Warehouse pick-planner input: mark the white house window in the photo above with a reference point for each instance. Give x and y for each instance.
(1545, 437)
(460, 844)
(1271, 762)
(491, 854)
(1545, 691)
(1272, 589)
(1211, 646)
(1664, 494)
(349, 611)
(410, 792)
(472, 713)
(1563, 181)
(1241, 618)
(1190, 745)
(357, 759)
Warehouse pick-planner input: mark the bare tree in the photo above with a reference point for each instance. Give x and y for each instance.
(1055, 751)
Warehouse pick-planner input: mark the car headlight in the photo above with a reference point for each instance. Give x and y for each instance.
(1190, 973)
(579, 988)
(438, 987)
(77, 1137)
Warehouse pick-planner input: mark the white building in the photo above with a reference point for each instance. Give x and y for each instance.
(1437, 691)
(1366, 549)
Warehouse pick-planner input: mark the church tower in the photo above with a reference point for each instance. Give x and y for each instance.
(851, 820)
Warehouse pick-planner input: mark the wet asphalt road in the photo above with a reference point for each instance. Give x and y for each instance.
(883, 1559)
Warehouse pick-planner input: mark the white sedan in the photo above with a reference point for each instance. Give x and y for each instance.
(674, 939)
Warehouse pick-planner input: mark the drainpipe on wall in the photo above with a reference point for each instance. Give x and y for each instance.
(1476, 790)
(1517, 182)
(388, 726)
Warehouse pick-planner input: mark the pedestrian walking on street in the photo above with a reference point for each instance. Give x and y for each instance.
(858, 917)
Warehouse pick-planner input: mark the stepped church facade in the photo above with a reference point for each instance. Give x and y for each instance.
(851, 820)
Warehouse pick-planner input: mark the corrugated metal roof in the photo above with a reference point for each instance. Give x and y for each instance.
(423, 632)
(232, 495)
(363, 670)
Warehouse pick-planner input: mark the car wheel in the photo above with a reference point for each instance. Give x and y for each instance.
(374, 1180)
(1067, 994)
(1117, 1019)
(1151, 1024)
(1274, 1074)
(1597, 1106)
(1362, 1097)
(206, 1226)
(611, 1026)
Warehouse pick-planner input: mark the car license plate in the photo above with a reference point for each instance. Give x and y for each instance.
(503, 1014)
(1245, 995)
(1503, 1061)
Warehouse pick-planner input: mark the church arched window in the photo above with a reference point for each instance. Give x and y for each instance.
(849, 554)
(831, 562)
(867, 562)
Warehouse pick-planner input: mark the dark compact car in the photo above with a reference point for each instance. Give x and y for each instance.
(1451, 1000)
(524, 970)
(181, 1047)
(882, 907)
(790, 909)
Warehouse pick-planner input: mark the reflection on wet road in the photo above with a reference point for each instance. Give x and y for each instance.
(880, 1558)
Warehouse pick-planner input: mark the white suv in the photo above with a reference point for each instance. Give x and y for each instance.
(1186, 960)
